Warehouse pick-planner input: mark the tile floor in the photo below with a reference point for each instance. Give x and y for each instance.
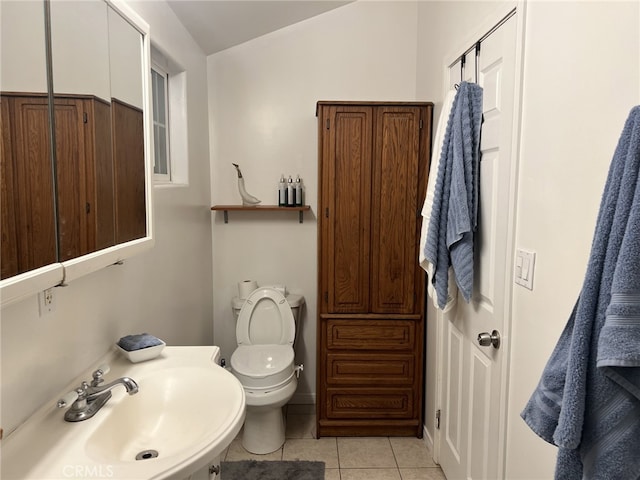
(352, 458)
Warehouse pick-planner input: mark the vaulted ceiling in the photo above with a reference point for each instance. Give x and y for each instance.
(219, 24)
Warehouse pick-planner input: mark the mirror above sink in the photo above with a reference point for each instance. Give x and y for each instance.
(76, 141)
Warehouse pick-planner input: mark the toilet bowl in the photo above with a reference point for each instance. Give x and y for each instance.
(264, 364)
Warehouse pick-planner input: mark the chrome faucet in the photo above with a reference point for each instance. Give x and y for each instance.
(89, 398)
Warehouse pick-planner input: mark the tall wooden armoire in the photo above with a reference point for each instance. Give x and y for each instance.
(373, 167)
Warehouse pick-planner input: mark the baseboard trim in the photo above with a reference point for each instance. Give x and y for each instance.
(426, 438)
(428, 441)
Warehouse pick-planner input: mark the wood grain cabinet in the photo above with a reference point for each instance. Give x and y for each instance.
(99, 178)
(84, 172)
(373, 167)
(28, 223)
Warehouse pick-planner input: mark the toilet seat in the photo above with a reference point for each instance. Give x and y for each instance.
(263, 367)
(265, 319)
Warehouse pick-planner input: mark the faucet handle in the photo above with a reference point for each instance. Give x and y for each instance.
(97, 375)
(68, 399)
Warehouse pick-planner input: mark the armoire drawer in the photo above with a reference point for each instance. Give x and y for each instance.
(390, 335)
(370, 369)
(370, 403)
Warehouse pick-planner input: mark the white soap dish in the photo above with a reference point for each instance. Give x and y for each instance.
(142, 354)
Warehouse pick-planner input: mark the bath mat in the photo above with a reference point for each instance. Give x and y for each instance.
(267, 470)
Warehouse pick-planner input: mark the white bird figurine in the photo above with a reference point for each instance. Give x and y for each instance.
(247, 198)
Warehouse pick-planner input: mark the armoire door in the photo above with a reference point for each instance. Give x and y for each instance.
(346, 194)
(394, 220)
(28, 220)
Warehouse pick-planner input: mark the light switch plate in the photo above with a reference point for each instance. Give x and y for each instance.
(524, 267)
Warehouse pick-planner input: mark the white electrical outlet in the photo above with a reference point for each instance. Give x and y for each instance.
(46, 302)
(525, 262)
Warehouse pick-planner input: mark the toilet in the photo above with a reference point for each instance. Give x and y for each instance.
(264, 363)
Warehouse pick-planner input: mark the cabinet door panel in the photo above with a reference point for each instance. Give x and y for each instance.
(128, 157)
(71, 178)
(394, 212)
(99, 165)
(28, 222)
(370, 403)
(347, 173)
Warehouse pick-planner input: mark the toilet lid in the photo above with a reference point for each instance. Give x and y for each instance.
(263, 367)
(265, 319)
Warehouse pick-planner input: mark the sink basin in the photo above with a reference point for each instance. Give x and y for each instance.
(174, 409)
(186, 412)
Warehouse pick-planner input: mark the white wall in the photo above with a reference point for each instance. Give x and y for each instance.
(262, 97)
(166, 292)
(578, 90)
(81, 66)
(22, 47)
(581, 77)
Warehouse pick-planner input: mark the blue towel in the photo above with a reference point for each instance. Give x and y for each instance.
(587, 401)
(455, 204)
(137, 342)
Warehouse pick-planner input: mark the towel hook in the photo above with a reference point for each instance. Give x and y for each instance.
(477, 61)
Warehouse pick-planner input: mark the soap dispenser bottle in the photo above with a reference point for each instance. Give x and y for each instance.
(282, 192)
(291, 201)
(298, 191)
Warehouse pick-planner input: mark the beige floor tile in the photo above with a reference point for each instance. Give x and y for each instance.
(237, 452)
(321, 450)
(369, 474)
(411, 452)
(300, 426)
(366, 452)
(331, 474)
(422, 474)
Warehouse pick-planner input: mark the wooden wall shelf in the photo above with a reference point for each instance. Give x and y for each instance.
(261, 208)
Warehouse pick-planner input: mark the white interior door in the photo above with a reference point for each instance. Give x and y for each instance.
(473, 377)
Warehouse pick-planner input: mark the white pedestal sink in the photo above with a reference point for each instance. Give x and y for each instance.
(187, 411)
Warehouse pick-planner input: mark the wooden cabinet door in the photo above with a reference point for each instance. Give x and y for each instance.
(394, 242)
(28, 221)
(128, 158)
(100, 187)
(71, 178)
(345, 205)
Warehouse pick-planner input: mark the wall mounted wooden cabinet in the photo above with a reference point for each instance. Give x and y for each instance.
(373, 167)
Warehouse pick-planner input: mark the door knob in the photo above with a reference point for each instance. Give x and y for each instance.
(489, 339)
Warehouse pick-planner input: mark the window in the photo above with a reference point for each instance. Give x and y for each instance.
(160, 96)
(169, 96)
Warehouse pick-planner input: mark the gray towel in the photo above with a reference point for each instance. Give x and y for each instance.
(138, 342)
(455, 203)
(587, 400)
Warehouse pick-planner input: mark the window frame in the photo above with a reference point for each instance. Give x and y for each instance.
(164, 177)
